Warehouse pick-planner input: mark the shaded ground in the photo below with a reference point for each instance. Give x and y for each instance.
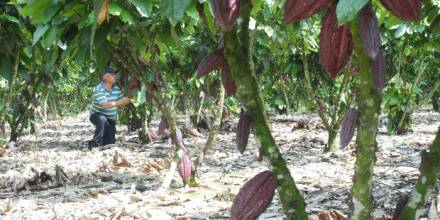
(105, 186)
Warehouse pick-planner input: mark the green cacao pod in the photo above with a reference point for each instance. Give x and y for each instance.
(348, 126)
(408, 10)
(369, 30)
(254, 197)
(213, 61)
(335, 46)
(243, 130)
(226, 13)
(296, 10)
(227, 81)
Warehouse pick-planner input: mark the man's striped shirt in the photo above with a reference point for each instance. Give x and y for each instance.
(102, 95)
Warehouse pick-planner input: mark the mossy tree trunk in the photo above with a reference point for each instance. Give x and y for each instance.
(429, 174)
(368, 101)
(238, 54)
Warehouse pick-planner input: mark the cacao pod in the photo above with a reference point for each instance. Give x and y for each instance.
(243, 130)
(226, 13)
(255, 196)
(149, 96)
(213, 61)
(369, 31)
(348, 126)
(408, 10)
(47, 79)
(163, 124)
(134, 85)
(152, 135)
(296, 10)
(179, 138)
(335, 46)
(184, 166)
(379, 67)
(227, 81)
(102, 14)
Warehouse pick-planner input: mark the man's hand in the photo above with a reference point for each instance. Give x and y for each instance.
(122, 102)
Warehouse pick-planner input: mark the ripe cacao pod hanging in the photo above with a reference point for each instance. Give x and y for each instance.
(335, 46)
(163, 124)
(102, 14)
(254, 197)
(348, 126)
(369, 31)
(149, 96)
(296, 10)
(227, 81)
(379, 67)
(243, 130)
(134, 85)
(226, 13)
(184, 166)
(408, 10)
(213, 61)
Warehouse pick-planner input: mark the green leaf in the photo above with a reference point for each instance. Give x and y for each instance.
(11, 18)
(114, 9)
(144, 7)
(174, 9)
(400, 31)
(5, 67)
(51, 36)
(41, 11)
(346, 10)
(41, 30)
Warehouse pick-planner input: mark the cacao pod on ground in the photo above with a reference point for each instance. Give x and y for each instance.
(348, 126)
(255, 196)
(226, 13)
(184, 165)
(369, 30)
(379, 68)
(243, 130)
(296, 10)
(213, 61)
(335, 46)
(408, 10)
(227, 81)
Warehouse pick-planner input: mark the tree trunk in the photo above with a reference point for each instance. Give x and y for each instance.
(368, 100)
(212, 133)
(331, 140)
(9, 97)
(436, 101)
(238, 53)
(429, 173)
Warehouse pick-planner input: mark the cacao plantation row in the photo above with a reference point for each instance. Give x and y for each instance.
(177, 98)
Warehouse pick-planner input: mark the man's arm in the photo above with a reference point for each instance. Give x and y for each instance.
(119, 103)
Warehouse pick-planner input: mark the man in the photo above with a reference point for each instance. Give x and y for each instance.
(107, 98)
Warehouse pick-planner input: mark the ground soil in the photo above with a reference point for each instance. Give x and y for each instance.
(101, 185)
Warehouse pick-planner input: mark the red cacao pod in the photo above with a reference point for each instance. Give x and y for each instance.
(408, 10)
(348, 126)
(213, 61)
(184, 166)
(227, 81)
(243, 130)
(134, 85)
(149, 96)
(163, 124)
(296, 10)
(254, 197)
(369, 31)
(335, 46)
(226, 13)
(379, 68)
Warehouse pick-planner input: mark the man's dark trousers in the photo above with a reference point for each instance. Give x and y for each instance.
(105, 129)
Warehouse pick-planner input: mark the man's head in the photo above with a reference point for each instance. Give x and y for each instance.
(109, 75)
